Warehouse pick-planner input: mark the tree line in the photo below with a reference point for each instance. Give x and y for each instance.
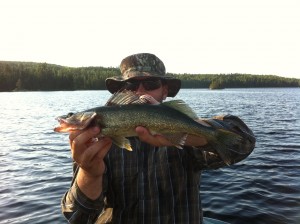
(31, 76)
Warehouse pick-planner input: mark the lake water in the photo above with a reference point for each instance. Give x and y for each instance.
(36, 166)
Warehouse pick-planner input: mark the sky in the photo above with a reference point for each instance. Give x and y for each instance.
(189, 36)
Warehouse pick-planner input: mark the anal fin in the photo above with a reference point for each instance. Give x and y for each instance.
(178, 139)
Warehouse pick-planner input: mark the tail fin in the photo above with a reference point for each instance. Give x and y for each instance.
(224, 144)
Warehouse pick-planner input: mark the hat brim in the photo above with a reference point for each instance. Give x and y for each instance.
(114, 84)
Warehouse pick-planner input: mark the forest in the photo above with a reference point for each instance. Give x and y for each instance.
(32, 76)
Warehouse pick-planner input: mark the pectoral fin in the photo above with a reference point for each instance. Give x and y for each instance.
(122, 142)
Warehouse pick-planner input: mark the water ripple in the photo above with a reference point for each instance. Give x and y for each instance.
(36, 165)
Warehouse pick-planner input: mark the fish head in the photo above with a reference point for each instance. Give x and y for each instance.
(75, 122)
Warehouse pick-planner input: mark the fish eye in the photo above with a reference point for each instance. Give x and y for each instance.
(70, 114)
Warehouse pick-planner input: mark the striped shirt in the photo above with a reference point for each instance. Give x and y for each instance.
(154, 184)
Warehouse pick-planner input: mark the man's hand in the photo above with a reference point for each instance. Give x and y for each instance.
(149, 99)
(156, 140)
(88, 152)
(159, 140)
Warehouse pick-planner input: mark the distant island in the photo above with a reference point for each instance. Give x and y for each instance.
(31, 76)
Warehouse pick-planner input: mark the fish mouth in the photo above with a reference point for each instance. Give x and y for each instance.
(66, 124)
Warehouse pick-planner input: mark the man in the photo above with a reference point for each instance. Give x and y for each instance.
(156, 182)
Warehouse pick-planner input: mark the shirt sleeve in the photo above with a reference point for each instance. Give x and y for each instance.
(210, 156)
(77, 208)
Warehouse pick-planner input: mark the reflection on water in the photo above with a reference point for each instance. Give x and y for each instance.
(36, 167)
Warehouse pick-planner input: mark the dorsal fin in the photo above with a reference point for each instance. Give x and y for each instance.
(182, 107)
(125, 97)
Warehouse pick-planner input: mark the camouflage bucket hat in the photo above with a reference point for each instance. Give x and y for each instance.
(142, 65)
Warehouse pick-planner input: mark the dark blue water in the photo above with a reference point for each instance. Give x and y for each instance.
(36, 167)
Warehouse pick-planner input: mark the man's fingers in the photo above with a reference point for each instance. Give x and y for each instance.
(105, 147)
(149, 99)
(82, 137)
(144, 134)
(73, 135)
(97, 151)
(156, 140)
(82, 140)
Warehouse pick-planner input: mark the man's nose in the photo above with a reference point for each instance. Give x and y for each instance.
(140, 89)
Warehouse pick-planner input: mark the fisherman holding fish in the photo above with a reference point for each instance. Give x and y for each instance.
(138, 159)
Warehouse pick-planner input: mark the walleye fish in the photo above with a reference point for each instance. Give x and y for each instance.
(124, 111)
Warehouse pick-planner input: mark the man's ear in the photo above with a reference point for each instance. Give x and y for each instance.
(165, 91)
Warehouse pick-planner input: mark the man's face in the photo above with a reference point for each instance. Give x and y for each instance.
(148, 86)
